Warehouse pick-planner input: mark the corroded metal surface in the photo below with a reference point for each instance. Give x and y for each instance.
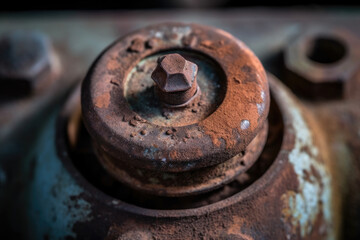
(175, 79)
(298, 200)
(211, 141)
(88, 213)
(214, 134)
(141, 95)
(189, 182)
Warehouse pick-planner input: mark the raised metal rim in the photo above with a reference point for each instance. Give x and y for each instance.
(202, 180)
(104, 106)
(274, 170)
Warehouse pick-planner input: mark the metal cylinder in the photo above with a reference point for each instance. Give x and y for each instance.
(135, 140)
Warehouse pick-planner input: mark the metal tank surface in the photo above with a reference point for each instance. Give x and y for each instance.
(181, 130)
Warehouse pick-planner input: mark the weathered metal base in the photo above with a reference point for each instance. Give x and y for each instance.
(44, 197)
(186, 183)
(289, 195)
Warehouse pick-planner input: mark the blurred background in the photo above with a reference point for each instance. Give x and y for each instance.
(164, 4)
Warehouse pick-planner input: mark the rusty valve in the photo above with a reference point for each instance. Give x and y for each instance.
(175, 78)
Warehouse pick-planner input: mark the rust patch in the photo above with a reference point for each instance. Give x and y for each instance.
(173, 154)
(241, 101)
(220, 136)
(185, 183)
(137, 45)
(218, 129)
(103, 100)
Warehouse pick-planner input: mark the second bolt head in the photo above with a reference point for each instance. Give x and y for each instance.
(24, 56)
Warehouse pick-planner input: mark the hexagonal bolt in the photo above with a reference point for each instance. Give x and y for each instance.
(175, 79)
(24, 59)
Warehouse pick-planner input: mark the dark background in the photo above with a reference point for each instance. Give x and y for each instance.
(56, 5)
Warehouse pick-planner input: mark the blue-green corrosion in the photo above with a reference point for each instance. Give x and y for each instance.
(54, 203)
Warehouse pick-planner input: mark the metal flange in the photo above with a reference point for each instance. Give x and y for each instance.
(128, 137)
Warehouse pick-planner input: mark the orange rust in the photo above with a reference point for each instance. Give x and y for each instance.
(286, 212)
(112, 64)
(103, 100)
(174, 154)
(235, 228)
(240, 101)
(228, 116)
(207, 44)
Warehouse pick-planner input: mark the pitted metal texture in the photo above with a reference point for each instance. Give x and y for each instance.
(213, 140)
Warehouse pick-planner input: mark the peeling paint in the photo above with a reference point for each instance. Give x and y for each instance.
(54, 196)
(313, 196)
(245, 124)
(260, 108)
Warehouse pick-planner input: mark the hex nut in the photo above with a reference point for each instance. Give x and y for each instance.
(24, 59)
(320, 61)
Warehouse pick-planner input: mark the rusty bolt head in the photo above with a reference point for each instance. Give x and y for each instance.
(174, 73)
(24, 56)
(320, 61)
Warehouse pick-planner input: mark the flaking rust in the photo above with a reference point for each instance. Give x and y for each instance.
(218, 136)
(289, 194)
(239, 168)
(314, 197)
(228, 164)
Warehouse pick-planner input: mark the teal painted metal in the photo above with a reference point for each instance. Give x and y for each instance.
(54, 198)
